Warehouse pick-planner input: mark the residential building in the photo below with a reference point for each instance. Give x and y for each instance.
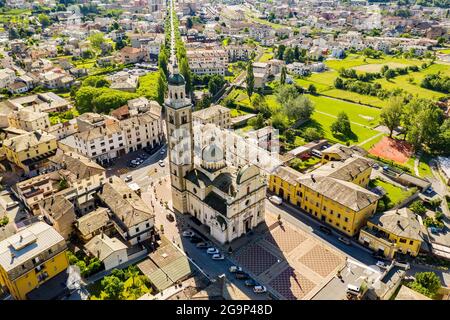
(341, 152)
(30, 258)
(332, 193)
(238, 52)
(41, 102)
(132, 218)
(29, 120)
(131, 55)
(217, 115)
(59, 213)
(93, 223)
(111, 251)
(393, 232)
(7, 77)
(29, 151)
(210, 68)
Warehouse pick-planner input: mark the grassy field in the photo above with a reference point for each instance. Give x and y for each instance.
(266, 56)
(424, 168)
(393, 193)
(357, 113)
(376, 67)
(368, 145)
(355, 97)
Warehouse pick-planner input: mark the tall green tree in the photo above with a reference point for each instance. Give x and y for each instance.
(299, 108)
(44, 20)
(163, 61)
(215, 83)
(283, 75)
(392, 114)
(162, 86)
(186, 72)
(341, 125)
(96, 40)
(250, 80)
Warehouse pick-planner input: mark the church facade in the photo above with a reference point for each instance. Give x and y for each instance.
(229, 200)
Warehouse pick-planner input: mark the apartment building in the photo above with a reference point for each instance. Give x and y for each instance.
(30, 258)
(217, 115)
(7, 77)
(29, 120)
(207, 61)
(29, 151)
(238, 52)
(132, 218)
(59, 213)
(41, 102)
(393, 233)
(333, 193)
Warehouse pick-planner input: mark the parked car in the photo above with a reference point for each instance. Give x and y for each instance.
(202, 245)
(161, 163)
(259, 289)
(212, 250)
(235, 269)
(128, 178)
(325, 230)
(162, 151)
(170, 217)
(345, 240)
(381, 264)
(377, 255)
(429, 190)
(250, 283)
(241, 275)
(188, 234)
(276, 200)
(195, 239)
(218, 256)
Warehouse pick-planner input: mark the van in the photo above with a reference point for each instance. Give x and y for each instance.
(353, 289)
(316, 153)
(276, 200)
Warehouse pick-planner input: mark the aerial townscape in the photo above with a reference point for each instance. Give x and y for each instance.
(224, 150)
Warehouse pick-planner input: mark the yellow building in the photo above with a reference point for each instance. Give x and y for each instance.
(339, 152)
(30, 258)
(392, 232)
(27, 150)
(333, 193)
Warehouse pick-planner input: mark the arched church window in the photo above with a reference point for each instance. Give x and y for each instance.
(176, 96)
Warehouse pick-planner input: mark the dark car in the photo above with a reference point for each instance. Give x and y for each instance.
(170, 217)
(378, 256)
(251, 283)
(196, 239)
(241, 276)
(325, 230)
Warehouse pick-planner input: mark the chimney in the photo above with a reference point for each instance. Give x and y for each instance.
(312, 178)
(12, 256)
(110, 180)
(98, 254)
(124, 196)
(129, 195)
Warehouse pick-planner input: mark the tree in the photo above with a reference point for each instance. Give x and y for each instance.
(163, 61)
(186, 72)
(418, 208)
(312, 89)
(286, 92)
(283, 75)
(250, 80)
(427, 283)
(288, 55)
(44, 20)
(260, 105)
(84, 97)
(298, 108)
(311, 134)
(215, 84)
(111, 99)
(339, 83)
(341, 125)
(280, 121)
(280, 51)
(189, 23)
(162, 86)
(257, 122)
(112, 286)
(389, 74)
(96, 40)
(391, 115)
(96, 81)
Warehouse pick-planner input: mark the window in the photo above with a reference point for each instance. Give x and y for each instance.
(339, 215)
(402, 240)
(50, 251)
(147, 225)
(137, 229)
(325, 209)
(346, 219)
(411, 242)
(247, 202)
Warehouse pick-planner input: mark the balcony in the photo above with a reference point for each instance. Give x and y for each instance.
(380, 235)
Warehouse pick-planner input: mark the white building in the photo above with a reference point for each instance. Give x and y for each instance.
(111, 251)
(7, 77)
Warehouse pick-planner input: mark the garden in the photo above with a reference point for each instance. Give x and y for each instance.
(394, 195)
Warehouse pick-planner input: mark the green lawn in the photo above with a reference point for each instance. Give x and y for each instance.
(424, 168)
(302, 165)
(368, 145)
(356, 112)
(355, 97)
(393, 193)
(266, 56)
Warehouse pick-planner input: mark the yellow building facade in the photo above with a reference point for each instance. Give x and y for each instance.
(333, 193)
(18, 150)
(30, 258)
(392, 232)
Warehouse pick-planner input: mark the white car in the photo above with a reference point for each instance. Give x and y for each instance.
(259, 289)
(218, 256)
(276, 200)
(162, 151)
(381, 264)
(212, 250)
(161, 163)
(128, 178)
(234, 269)
(188, 234)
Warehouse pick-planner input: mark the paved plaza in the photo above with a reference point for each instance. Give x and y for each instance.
(290, 262)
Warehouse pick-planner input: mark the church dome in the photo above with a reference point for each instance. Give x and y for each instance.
(176, 80)
(212, 153)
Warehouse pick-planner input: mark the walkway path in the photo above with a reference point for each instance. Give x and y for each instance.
(352, 122)
(371, 138)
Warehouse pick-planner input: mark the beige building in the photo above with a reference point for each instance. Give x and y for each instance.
(111, 251)
(29, 120)
(217, 115)
(93, 224)
(132, 218)
(59, 212)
